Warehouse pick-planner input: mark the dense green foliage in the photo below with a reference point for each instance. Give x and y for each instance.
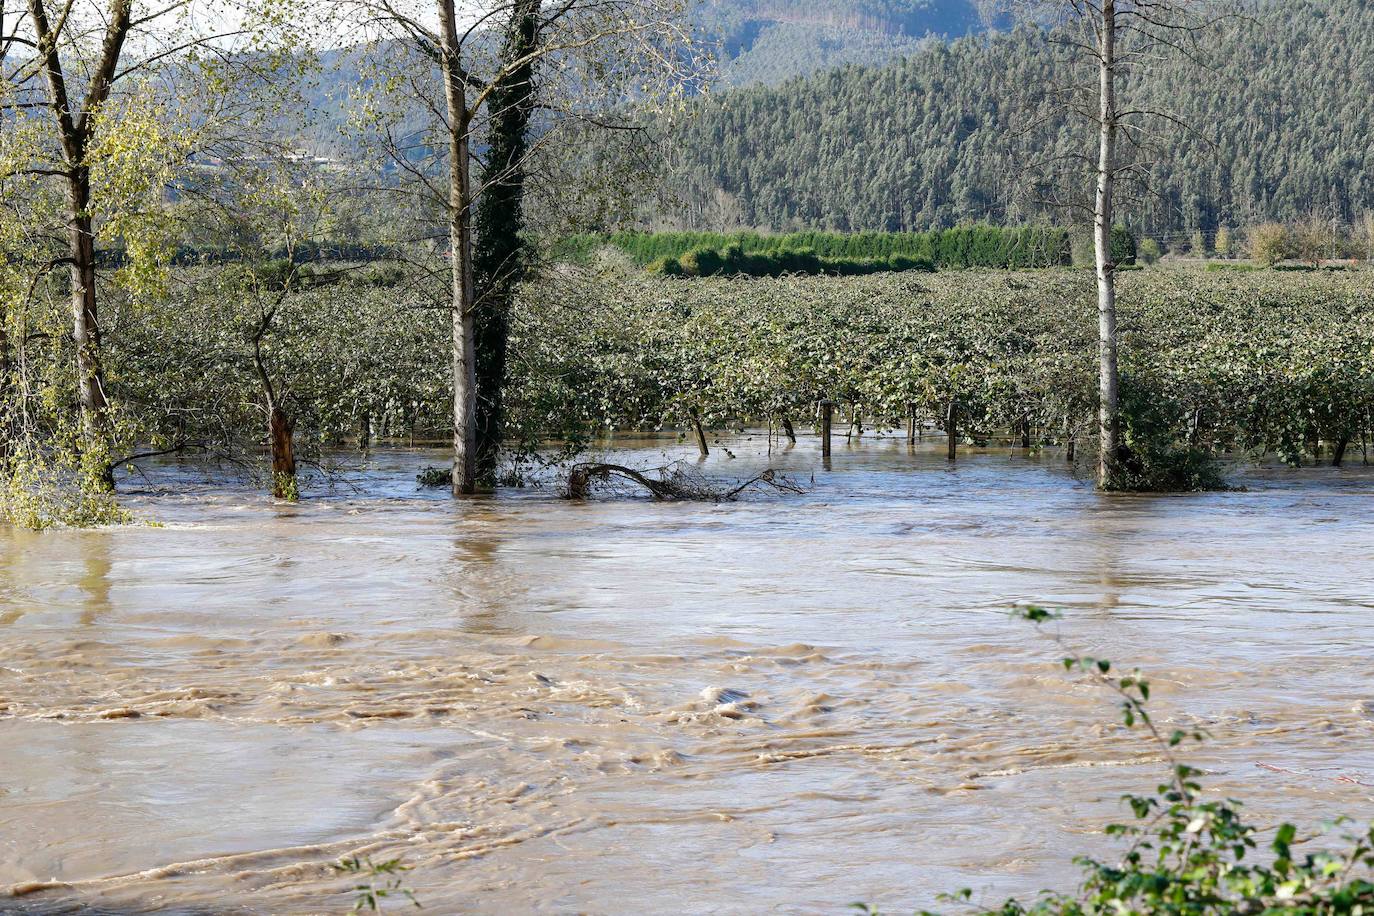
(351, 354)
(1262, 362)
(830, 252)
(961, 132)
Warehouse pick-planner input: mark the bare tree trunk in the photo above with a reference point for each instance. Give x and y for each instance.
(465, 456)
(1342, 444)
(788, 430)
(1109, 411)
(280, 431)
(952, 430)
(500, 255)
(90, 381)
(702, 447)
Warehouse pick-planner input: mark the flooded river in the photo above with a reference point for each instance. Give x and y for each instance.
(785, 704)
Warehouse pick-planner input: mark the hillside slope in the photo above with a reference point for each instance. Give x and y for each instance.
(952, 133)
(769, 41)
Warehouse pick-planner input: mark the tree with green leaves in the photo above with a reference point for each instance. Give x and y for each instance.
(105, 102)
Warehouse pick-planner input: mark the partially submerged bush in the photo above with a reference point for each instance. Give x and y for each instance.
(1156, 457)
(434, 477)
(40, 490)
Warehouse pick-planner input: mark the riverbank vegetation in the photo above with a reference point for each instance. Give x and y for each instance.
(1251, 364)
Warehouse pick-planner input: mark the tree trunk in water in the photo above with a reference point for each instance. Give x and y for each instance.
(1109, 379)
(702, 447)
(90, 377)
(279, 432)
(827, 427)
(460, 241)
(952, 430)
(1341, 445)
(788, 431)
(500, 255)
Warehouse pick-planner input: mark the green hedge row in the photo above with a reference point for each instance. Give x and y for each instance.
(948, 249)
(733, 260)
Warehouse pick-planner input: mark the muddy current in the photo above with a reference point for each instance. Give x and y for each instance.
(784, 704)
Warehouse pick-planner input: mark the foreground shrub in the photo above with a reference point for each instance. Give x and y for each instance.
(1186, 855)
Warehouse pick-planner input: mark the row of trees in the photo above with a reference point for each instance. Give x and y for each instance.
(128, 127)
(956, 248)
(490, 122)
(1269, 362)
(1312, 240)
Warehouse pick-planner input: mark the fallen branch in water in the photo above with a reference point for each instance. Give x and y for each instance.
(673, 483)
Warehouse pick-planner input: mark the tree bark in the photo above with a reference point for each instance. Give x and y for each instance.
(8, 406)
(464, 355)
(1342, 444)
(280, 431)
(789, 431)
(500, 256)
(90, 377)
(74, 132)
(702, 447)
(952, 431)
(1109, 379)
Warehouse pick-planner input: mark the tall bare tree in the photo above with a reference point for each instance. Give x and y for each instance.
(1105, 41)
(595, 55)
(502, 255)
(84, 82)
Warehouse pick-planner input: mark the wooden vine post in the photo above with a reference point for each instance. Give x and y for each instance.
(827, 422)
(952, 429)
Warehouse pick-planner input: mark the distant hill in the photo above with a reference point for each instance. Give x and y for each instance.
(769, 41)
(1282, 129)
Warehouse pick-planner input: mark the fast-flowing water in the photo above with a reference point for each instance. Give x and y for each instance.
(783, 704)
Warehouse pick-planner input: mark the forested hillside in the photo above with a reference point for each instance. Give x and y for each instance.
(768, 41)
(1280, 129)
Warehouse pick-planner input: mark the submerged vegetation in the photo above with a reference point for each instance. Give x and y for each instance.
(1255, 363)
(1247, 364)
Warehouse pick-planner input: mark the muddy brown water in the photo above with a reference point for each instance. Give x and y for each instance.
(784, 704)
